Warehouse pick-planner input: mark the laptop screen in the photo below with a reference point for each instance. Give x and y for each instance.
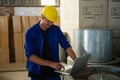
(80, 64)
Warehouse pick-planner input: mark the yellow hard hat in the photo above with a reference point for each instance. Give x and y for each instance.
(50, 13)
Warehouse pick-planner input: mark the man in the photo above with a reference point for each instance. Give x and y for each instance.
(41, 47)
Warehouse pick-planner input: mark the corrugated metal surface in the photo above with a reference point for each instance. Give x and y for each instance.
(24, 3)
(97, 42)
(20, 3)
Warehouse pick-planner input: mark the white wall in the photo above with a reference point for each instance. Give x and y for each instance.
(69, 12)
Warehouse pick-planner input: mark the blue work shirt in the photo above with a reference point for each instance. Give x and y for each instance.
(34, 45)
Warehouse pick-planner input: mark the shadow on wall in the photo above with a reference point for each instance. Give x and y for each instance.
(4, 11)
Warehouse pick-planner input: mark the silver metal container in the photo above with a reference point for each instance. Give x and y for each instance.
(97, 42)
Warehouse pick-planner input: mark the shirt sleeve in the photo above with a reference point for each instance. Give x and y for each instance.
(28, 44)
(63, 40)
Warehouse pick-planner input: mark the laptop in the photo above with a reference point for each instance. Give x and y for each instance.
(78, 66)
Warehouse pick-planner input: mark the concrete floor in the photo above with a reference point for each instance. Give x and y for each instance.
(18, 72)
(22, 75)
(18, 75)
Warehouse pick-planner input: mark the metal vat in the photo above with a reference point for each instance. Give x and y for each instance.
(97, 42)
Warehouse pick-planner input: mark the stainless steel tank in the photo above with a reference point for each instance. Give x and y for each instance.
(97, 42)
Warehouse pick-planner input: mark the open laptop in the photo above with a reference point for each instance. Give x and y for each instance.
(78, 66)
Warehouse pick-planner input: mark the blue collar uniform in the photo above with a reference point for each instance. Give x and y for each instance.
(34, 45)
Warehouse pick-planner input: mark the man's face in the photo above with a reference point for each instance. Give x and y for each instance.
(45, 22)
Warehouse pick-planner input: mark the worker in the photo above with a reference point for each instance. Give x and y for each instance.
(42, 47)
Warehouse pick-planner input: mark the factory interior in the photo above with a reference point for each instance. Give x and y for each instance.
(90, 26)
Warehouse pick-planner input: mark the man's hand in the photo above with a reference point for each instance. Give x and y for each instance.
(56, 65)
(40, 61)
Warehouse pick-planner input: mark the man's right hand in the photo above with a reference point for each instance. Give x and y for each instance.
(57, 65)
